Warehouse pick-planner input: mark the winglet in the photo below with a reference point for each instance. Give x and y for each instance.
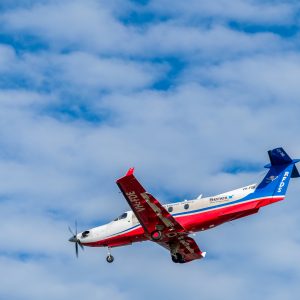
(130, 172)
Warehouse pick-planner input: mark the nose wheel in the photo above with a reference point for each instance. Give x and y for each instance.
(109, 257)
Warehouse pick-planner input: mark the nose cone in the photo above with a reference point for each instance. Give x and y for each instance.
(73, 239)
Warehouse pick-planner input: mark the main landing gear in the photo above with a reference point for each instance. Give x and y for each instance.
(177, 258)
(109, 257)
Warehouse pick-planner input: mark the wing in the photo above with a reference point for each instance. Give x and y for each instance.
(159, 225)
(155, 219)
(183, 249)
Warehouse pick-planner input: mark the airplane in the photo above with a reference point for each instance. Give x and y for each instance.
(170, 225)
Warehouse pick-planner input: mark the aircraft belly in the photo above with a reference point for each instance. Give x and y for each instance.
(212, 218)
(238, 208)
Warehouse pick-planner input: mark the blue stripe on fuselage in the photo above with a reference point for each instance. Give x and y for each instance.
(216, 206)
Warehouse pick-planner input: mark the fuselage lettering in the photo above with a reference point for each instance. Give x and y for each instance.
(282, 183)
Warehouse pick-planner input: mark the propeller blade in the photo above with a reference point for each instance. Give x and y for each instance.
(81, 246)
(76, 249)
(71, 230)
(75, 240)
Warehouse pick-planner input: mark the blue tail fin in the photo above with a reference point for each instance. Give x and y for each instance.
(282, 168)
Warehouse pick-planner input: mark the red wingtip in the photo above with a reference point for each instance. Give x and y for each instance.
(130, 172)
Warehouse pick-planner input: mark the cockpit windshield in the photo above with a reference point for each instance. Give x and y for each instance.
(123, 216)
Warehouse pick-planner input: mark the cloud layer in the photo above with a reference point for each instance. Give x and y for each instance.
(192, 95)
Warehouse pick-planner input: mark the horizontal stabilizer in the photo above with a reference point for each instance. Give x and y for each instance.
(295, 172)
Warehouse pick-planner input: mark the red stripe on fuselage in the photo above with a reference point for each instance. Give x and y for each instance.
(192, 222)
(122, 239)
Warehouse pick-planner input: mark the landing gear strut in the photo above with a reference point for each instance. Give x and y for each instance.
(109, 257)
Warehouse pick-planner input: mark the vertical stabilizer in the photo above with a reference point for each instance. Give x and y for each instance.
(282, 169)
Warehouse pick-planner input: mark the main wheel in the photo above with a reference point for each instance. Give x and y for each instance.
(110, 258)
(177, 258)
(156, 235)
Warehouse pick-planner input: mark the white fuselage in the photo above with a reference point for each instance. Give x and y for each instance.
(128, 222)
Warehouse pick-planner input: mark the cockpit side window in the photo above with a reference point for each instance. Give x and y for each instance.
(85, 234)
(123, 216)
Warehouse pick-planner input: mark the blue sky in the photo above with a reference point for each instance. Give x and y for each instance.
(192, 94)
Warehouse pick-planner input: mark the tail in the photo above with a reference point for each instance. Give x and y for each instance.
(282, 169)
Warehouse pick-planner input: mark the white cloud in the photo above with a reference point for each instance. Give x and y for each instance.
(207, 44)
(69, 23)
(93, 28)
(234, 97)
(79, 70)
(273, 75)
(87, 71)
(52, 286)
(261, 12)
(7, 57)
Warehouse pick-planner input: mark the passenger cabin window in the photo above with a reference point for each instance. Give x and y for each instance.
(170, 209)
(123, 216)
(186, 206)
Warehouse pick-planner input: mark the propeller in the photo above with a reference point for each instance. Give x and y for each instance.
(75, 240)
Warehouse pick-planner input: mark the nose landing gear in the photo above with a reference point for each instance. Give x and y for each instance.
(109, 257)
